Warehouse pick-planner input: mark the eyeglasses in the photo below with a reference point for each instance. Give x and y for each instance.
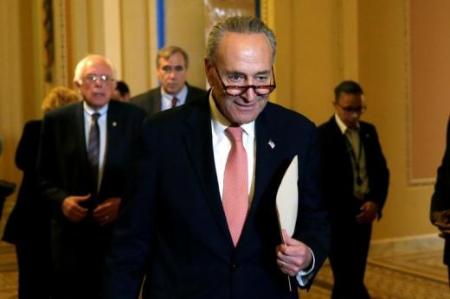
(238, 90)
(92, 78)
(169, 69)
(357, 110)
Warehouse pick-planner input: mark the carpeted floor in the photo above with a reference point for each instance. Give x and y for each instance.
(8, 272)
(418, 275)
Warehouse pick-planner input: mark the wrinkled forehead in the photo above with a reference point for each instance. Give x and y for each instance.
(244, 49)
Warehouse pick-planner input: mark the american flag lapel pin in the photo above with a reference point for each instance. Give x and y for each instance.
(271, 144)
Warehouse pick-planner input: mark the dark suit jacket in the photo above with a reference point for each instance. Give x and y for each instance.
(337, 173)
(30, 215)
(441, 197)
(63, 164)
(150, 101)
(176, 225)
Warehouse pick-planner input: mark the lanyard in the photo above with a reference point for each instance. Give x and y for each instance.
(356, 160)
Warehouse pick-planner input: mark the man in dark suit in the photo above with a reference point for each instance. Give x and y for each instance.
(355, 182)
(440, 201)
(201, 225)
(171, 68)
(86, 161)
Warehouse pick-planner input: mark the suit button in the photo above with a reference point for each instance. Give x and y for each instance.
(234, 267)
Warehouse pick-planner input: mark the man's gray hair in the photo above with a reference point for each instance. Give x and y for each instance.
(79, 69)
(241, 24)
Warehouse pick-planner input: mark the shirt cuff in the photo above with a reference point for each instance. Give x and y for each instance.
(303, 276)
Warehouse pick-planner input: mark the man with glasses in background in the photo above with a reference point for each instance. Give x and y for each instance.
(355, 183)
(203, 221)
(87, 156)
(171, 68)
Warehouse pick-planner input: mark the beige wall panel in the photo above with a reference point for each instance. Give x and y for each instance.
(11, 84)
(62, 25)
(96, 25)
(113, 34)
(185, 23)
(280, 21)
(430, 74)
(79, 32)
(385, 75)
(32, 59)
(315, 57)
(136, 66)
(349, 39)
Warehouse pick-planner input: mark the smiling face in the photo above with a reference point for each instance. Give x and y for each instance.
(241, 59)
(97, 82)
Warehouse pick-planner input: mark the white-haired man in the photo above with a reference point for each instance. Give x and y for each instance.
(87, 155)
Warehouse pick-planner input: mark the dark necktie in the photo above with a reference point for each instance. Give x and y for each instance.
(235, 184)
(93, 148)
(174, 102)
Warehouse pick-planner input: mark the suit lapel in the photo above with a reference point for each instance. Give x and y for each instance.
(265, 146)
(157, 102)
(80, 132)
(189, 97)
(269, 163)
(112, 137)
(198, 140)
(340, 138)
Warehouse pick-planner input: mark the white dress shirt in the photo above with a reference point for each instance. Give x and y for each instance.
(222, 146)
(166, 99)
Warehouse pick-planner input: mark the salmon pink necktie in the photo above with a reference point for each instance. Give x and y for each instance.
(235, 184)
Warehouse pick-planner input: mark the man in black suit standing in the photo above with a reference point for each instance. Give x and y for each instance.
(171, 68)
(440, 201)
(86, 161)
(203, 221)
(355, 182)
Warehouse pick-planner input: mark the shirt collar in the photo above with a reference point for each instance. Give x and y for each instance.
(220, 123)
(89, 110)
(342, 127)
(181, 96)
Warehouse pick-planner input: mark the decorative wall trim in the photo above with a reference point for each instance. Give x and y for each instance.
(411, 181)
(63, 46)
(49, 40)
(407, 90)
(426, 94)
